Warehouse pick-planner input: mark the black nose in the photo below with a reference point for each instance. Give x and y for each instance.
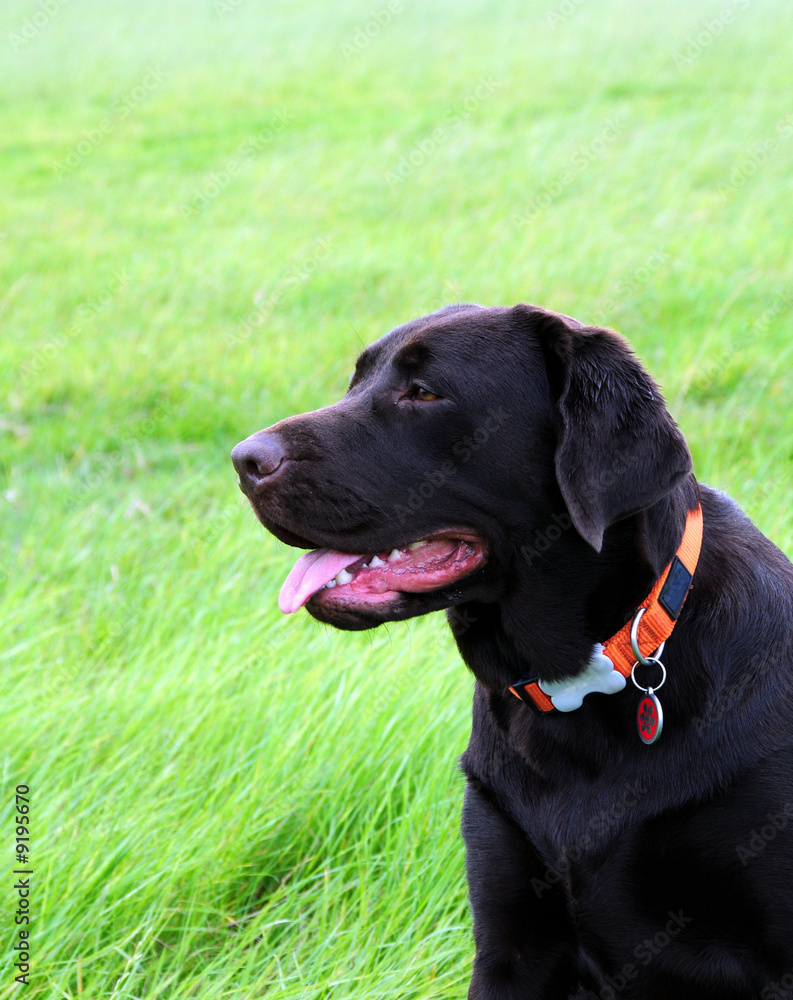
(256, 460)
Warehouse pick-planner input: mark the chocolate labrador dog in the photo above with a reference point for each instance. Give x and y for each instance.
(628, 818)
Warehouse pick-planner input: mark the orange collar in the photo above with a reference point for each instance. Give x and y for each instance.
(660, 608)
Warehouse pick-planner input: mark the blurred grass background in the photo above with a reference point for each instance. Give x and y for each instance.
(208, 208)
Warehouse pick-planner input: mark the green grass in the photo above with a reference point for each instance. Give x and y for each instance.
(227, 803)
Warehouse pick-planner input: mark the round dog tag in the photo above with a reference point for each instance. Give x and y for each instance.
(649, 717)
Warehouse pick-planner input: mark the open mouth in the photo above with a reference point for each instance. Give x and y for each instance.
(428, 564)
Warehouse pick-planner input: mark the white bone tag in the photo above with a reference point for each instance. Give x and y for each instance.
(599, 675)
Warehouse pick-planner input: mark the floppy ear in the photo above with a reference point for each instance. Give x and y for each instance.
(618, 449)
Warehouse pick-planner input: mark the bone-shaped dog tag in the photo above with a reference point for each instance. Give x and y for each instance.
(599, 675)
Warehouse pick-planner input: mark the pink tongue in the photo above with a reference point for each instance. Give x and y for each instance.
(311, 571)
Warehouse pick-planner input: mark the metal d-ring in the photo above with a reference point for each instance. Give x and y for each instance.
(644, 660)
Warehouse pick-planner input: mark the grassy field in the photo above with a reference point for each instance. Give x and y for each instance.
(208, 208)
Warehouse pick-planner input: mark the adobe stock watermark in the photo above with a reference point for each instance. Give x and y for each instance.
(580, 161)
(151, 81)
(216, 181)
(427, 147)
(626, 288)
(779, 651)
(224, 7)
(719, 708)
(450, 294)
(756, 157)
(563, 12)
(711, 371)
(712, 29)
(46, 353)
(463, 449)
(220, 522)
(645, 952)
(365, 33)
(265, 305)
(561, 521)
(760, 838)
(599, 828)
(459, 619)
(24, 914)
(782, 300)
(782, 990)
(107, 464)
(40, 18)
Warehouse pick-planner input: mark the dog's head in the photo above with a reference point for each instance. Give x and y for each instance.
(468, 441)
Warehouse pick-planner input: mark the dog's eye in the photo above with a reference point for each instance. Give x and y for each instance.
(419, 392)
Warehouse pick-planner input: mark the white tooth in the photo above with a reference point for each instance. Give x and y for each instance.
(377, 561)
(329, 585)
(395, 554)
(417, 545)
(343, 577)
(365, 566)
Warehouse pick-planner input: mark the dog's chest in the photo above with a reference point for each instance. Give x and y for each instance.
(577, 825)
(569, 813)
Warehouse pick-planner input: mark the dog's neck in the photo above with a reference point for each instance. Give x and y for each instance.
(572, 597)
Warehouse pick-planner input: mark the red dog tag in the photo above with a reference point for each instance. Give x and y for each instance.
(649, 717)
